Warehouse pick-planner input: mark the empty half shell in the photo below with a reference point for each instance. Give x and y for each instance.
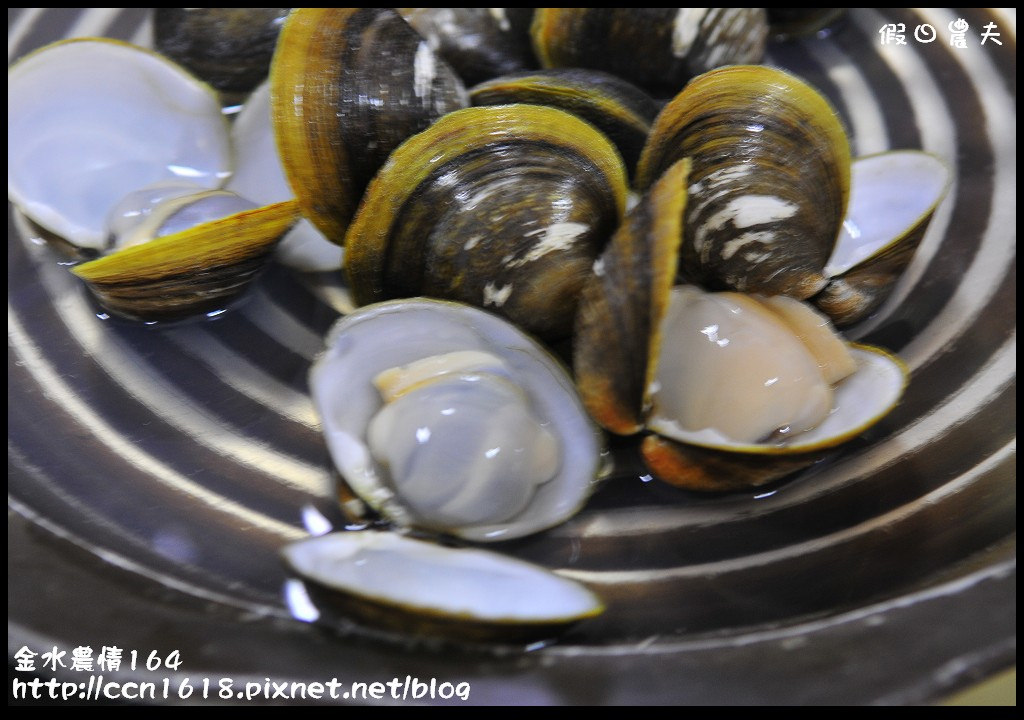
(892, 201)
(92, 120)
(387, 579)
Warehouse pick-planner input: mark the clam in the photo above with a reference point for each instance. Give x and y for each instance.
(92, 120)
(348, 85)
(259, 176)
(770, 179)
(617, 108)
(230, 48)
(170, 260)
(447, 418)
(391, 580)
(658, 49)
(737, 390)
(503, 207)
(892, 201)
(479, 43)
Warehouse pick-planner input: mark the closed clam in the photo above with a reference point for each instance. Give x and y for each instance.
(770, 179)
(348, 85)
(230, 48)
(893, 198)
(502, 207)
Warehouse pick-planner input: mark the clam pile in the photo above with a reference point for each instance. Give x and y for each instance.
(502, 200)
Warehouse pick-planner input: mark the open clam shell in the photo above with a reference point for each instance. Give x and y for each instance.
(705, 461)
(769, 184)
(892, 201)
(390, 580)
(501, 207)
(91, 120)
(348, 85)
(401, 333)
(192, 271)
(622, 394)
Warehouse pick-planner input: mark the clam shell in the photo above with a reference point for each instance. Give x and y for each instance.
(769, 184)
(617, 108)
(392, 334)
(260, 177)
(386, 579)
(230, 48)
(629, 292)
(91, 120)
(193, 271)
(479, 43)
(893, 199)
(503, 207)
(624, 306)
(659, 49)
(348, 85)
(696, 461)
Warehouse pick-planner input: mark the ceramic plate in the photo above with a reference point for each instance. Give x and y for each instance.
(154, 472)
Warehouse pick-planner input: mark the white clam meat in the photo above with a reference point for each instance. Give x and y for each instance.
(444, 417)
(92, 120)
(744, 372)
(461, 410)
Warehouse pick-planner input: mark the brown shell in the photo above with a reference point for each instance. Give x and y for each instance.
(697, 468)
(622, 306)
(658, 49)
(770, 179)
(230, 48)
(503, 207)
(617, 108)
(852, 296)
(855, 293)
(346, 90)
(479, 43)
(192, 271)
